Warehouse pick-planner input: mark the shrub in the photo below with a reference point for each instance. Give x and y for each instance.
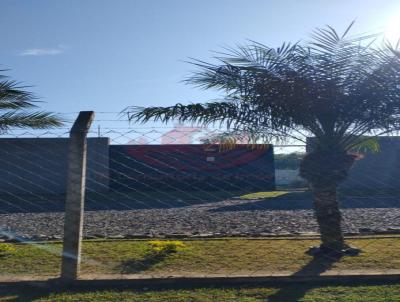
(164, 247)
(6, 249)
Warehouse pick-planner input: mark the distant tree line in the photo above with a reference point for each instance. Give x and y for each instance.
(289, 161)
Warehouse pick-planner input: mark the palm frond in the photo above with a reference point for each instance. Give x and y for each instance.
(229, 140)
(16, 106)
(336, 87)
(34, 120)
(13, 96)
(227, 113)
(367, 144)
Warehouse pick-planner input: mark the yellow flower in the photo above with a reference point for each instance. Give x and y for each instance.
(6, 249)
(166, 246)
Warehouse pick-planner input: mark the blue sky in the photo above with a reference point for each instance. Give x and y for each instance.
(105, 55)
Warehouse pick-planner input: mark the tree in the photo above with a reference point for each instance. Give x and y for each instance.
(337, 89)
(288, 161)
(18, 108)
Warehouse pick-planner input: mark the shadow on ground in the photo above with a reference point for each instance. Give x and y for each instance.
(284, 292)
(118, 201)
(315, 267)
(303, 201)
(122, 201)
(135, 266)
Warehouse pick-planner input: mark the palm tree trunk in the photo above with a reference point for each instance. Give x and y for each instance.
(324, 171)
(328, 217)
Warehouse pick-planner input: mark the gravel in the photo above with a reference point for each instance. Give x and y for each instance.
(232, 217)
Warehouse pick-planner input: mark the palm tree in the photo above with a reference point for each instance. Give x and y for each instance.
(337, 89)
(17, 108)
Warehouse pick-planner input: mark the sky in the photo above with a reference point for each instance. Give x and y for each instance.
(106, 55)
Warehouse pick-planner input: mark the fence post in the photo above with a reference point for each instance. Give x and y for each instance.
(75, 196)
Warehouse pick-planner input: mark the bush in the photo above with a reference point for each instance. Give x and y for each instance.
(164, 247)
(6, 249)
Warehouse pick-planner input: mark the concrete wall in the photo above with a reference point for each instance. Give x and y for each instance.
(39, 165)
(376, 171)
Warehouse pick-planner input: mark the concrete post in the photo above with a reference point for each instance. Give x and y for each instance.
(75, 196)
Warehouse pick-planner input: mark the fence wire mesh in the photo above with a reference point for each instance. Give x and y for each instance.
(160, 202)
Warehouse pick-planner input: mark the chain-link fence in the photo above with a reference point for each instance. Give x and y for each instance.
(160, 202)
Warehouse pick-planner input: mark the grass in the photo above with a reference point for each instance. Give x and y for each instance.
(262, 195)
(229, 256)
(304, 193)
(288, 293)
(225, 256)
